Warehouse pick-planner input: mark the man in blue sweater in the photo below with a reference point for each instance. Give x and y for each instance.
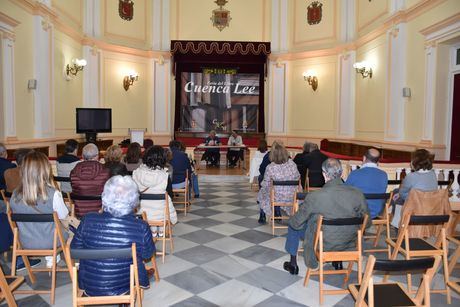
(370, 179)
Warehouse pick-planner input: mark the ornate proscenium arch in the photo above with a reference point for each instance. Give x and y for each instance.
(244, 57)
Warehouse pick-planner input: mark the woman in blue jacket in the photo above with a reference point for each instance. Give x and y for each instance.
(115, 227)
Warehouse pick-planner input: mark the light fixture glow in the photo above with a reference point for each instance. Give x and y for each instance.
(129, 79)
(311, 78)
(77, 65)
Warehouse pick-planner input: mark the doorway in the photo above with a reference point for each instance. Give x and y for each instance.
(455, 129)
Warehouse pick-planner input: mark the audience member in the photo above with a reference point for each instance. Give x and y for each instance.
(335, 200)
(194, 175)
(13, 175)
(281, 168)
(147, 144)
(212, 155)
(180, 163)
(112, 159)
(312, 162)
(66, 163)
(257, 159)
(234, 154)
(265, 162)
(152, 177)
(422, 178)
(88, 178)
(4, 165)
(37, 194)
(298, 160)
(169, 167)
(133, 157)
(370, 179)
(115, 227)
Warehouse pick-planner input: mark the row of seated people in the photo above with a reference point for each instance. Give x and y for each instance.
(338, 199)
(37, 193)
(212, 155)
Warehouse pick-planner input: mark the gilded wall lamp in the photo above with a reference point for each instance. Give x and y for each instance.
(129, 79)
(363, 68)
(76, 66)
(311, 78)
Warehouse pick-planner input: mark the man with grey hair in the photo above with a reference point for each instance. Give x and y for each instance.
(298, 160)
(88, 178)
(115, 227)
(335, 200)
(4, 165)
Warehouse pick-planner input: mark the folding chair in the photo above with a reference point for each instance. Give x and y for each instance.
(307, 187)
(455, 239)
(8, 284)
(369, 293)
(286, 203)
(418, 247)
(328, 256)
(184, 194)
(165, 223)
(381, 221)
(18, 250)
(76, 212)
(135, 291)
(6, 199)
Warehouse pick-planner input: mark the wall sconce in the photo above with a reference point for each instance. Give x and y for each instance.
(77, 65)
(310, 77)
(129, 79)
(363, 68)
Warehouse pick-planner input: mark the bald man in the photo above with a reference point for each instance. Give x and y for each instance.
(370, 179)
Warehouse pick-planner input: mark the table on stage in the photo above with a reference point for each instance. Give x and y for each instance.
(200, 149)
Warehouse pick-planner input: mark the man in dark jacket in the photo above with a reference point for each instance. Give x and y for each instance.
(312, 162)
(88, 178)
(298, 160)
(180, 163)
(116, 227)
(334, 200)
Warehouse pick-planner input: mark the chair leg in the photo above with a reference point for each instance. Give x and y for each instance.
(307, 277)
(347, 275)
(155, 267)
(53, 279)
(321, 280)
(377, 235)
(29, 269)
(453, 260)
(446, 269)
(164, 247)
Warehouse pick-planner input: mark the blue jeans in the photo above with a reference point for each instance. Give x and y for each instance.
(293, 238)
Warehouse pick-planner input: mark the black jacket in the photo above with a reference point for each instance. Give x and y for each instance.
(313, 162)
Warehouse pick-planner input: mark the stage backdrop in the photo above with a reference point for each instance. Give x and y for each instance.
(219, 85)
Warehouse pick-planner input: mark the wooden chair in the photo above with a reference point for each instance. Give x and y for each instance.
(369, 293)
(381, 221)
(454, 238)
(135, 292)
(18, 250)
(165, 224)
(273, 203)
(183, 194)
(418, 247)
(329, 256)
(8, 284)
(6, 199)
(307, 187)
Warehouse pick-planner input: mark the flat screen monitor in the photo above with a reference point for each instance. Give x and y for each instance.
(91, 120)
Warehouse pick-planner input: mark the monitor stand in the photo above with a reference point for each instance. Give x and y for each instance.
(91, 137)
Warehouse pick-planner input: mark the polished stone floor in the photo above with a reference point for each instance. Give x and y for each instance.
(223, 257)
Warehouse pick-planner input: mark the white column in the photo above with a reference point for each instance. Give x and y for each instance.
(455, 187)
(43, 53)
(430, 87)
(347, 94)
(348, 20)
(160, 24)
(92, 77)
(279, 41)
(277, 97)
(92, 19)
(397, 43)
(161, 102)
(7, 103)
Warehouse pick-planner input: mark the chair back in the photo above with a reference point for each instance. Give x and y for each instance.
(6, 199)
(97, 254)
(284, 183)
(426, 203)
(166, 219)
(411, 265)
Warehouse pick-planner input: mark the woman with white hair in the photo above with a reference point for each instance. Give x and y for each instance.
(115, 227)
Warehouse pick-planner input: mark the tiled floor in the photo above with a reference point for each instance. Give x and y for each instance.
(223, 257)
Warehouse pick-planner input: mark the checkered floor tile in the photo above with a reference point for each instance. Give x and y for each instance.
(223, 257)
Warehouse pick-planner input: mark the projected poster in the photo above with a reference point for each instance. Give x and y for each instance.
(219, 99)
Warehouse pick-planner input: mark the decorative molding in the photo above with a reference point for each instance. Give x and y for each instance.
(213, 47)
(437, 30)
(61, 11)
(379, 16)
(7, 20)
(125, 50)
